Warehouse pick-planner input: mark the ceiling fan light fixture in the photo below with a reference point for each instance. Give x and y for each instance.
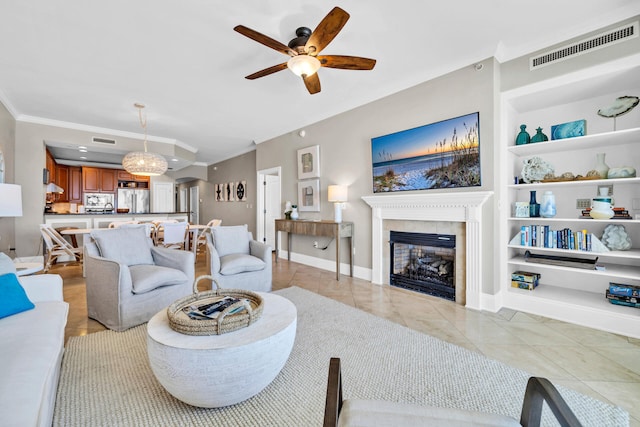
(144, 163)
(303, 65)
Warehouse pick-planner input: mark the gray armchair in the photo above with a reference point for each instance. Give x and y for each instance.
(129, 280)
(237, 261)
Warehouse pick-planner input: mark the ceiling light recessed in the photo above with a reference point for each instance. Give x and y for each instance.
(83, 150)
(83, 157)
(174, 160)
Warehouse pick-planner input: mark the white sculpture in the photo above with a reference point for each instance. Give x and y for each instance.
(615, 237)
(535, 169)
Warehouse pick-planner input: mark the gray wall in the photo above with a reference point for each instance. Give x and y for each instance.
(345, 149)
(241, 168)
(7, 147)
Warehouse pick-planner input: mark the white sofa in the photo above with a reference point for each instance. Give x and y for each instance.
(32, 344)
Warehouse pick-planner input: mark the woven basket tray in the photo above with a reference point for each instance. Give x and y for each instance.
(181, 322)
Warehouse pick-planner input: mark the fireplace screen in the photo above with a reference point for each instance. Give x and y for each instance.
(424, 262)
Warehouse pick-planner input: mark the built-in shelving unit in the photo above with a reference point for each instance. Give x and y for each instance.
(566, 293)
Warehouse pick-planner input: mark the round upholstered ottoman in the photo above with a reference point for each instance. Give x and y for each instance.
(220, 370)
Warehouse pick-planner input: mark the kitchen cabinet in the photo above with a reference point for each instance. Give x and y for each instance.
(125, 179)
(62, 180)
(50, 165)
(98, 180)
(75, 185)
(564, 292)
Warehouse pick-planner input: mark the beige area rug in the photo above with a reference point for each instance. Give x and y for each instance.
(106, 379)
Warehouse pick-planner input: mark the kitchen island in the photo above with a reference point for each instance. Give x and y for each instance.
(102, 220)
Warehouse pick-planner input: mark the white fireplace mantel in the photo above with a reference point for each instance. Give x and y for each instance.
(456, 207)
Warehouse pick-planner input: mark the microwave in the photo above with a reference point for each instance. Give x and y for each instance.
(98, 202)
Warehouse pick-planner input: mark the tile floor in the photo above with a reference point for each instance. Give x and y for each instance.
(599, 364)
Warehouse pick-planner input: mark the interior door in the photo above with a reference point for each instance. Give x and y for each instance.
(271, 208)
(163, 197)
(183, 200)
(194, 205)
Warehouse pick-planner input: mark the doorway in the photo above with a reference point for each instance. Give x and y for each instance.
(194, 205)
(269, 204)
(182, 200)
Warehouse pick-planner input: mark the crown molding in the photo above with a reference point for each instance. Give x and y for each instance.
(105, 131)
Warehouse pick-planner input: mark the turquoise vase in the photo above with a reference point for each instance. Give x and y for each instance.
(523, 137)
(539, 136)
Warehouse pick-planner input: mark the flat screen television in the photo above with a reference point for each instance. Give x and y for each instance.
(444, 154)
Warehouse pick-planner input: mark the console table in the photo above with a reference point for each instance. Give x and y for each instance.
(336, 230)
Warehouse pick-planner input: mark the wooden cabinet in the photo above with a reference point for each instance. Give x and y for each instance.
(97, 180)
(125, 179)
(62, 180)
(50, 165)
(75, 185)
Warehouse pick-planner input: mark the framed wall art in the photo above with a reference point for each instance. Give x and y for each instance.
(219, 190)
(309, 162)
(229, 192)
(309, 195)
(444, 154)
(241, 191)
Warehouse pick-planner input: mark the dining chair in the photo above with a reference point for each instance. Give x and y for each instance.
(202, 237)
(158, 230)
(116, 224)
(56, 246)
(174, 235)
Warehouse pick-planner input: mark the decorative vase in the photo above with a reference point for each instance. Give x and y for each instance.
(294, 212)
(534, 206)
(601, 166)
(523, 137)
(539, 136)
(548, 205)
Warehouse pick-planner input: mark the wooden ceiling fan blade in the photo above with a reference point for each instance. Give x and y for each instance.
(267, 71)
(312, 83)
(326, 31)
(265, 40)
(346, 62)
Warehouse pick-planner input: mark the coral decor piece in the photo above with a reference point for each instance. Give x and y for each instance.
(535, 169)
(615, 237)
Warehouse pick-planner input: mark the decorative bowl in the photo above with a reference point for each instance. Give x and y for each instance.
(122, 210)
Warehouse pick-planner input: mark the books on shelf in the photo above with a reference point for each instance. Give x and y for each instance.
(618, 213)
(525, 280)
(542, 236)
(623, 294)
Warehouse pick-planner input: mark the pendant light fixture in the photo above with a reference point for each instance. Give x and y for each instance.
(143, 162)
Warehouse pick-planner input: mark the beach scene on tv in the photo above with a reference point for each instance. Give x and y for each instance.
(438, 155)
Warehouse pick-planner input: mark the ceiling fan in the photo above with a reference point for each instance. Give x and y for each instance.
(304, 50)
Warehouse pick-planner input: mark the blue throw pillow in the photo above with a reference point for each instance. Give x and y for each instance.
(13, 298)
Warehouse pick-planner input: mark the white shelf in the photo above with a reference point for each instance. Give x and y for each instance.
(583, 182)
(611, 270)
(633, 253)
(541, 220)
(606, 139)
(569, 293)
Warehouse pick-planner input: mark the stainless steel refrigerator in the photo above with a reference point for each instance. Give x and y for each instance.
(136, 200)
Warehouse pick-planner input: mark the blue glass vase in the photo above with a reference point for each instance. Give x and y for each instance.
(523, 137)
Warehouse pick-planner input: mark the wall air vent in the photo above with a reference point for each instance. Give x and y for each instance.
(103, 140)
(590, 44)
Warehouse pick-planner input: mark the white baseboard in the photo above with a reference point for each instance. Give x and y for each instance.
(326, 264)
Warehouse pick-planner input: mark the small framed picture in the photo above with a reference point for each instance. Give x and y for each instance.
(309, 162)
(219, 189)
(229, 192)
(241, 191)
(309, 195)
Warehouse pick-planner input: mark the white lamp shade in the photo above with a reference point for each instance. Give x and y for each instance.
(10, 200)
(303, 65)
(144, 163)
(337, 193)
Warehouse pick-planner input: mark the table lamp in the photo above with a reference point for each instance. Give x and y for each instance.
(338, 195)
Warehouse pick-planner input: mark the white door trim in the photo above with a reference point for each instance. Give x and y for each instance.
(260, 205)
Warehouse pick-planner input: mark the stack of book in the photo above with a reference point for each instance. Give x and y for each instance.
(525, 280)
(542, 236)
(623, 294)
(618, 213)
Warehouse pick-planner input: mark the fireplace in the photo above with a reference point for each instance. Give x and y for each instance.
(423, 262)
(417, 211)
